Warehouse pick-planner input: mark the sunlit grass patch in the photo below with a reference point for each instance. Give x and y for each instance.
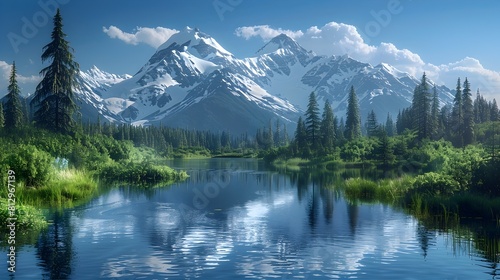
(65, 188)
(386, 190)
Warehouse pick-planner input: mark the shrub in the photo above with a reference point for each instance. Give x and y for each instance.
(434, 184)
(485, 178)
(30, 164)
(461, 164)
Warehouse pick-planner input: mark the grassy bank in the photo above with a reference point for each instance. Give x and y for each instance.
(54, 170)
(66, 188)
(144, 174)
(407, 192)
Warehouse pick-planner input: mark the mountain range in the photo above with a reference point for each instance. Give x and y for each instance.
(192, 82)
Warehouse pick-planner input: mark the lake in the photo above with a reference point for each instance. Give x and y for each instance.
(237, 218)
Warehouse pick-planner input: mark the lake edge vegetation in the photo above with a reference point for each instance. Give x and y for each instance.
(447, 157)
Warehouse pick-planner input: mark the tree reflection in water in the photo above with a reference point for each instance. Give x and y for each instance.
(55, 248)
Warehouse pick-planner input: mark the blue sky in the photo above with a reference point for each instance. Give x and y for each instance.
(445, 38)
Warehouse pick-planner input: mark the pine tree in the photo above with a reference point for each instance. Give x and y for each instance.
(300, 135)
(389, 126)
(13, 112)
(372, 126)
(269, 135)
(2, 119)
(435, 129)
(313, 121)
(494, 113)
(483, 110)
(468, 115)
(353, 119)
(384, 150)
(277, 134)
(285, 135)
(54, 98)
(457, 115)
(445, 120)
(340, 131)
(421, 109)
(328, 127)
(477, 104)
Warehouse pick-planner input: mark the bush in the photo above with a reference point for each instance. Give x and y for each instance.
(30, 164)
(434, 184)
(461, 164)
(485, 179)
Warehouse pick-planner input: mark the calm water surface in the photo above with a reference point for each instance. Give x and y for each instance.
(233, 218)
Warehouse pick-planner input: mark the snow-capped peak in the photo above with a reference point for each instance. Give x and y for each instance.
(391, 70)
(195, 42)
(96, 76)
(281, 41)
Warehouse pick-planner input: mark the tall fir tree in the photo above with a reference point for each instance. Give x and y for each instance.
(313, 121)
(300, 135)
(435, 128)
(13, 110)
(457, 115)
(494, 113)
(269, 135)
(389, 126)
(477, 101)
(468, 115)
(277, 134)
(481, 109)
(285, 135)
(340, 132)
(421, 109)
(372, 126)
(353, 119)
(328, 127)
(54, 98)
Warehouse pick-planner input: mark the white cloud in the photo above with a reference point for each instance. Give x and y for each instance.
(151, 36)
(23, 81)
(339, 38)
(265, 32)
(487, 81)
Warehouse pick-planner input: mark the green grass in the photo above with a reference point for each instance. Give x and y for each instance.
(401, 192)
(144, 174)
(293, 164)
(28, 217)
(386, 190)
(64, 189)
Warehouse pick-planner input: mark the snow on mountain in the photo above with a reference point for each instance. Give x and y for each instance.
(92, 85)
(191, 81)
(195, 42)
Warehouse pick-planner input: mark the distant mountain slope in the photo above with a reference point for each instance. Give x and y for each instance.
(191, 81)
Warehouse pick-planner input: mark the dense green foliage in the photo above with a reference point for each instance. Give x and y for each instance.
(447, 155)
(28, 217)
(34, 166)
